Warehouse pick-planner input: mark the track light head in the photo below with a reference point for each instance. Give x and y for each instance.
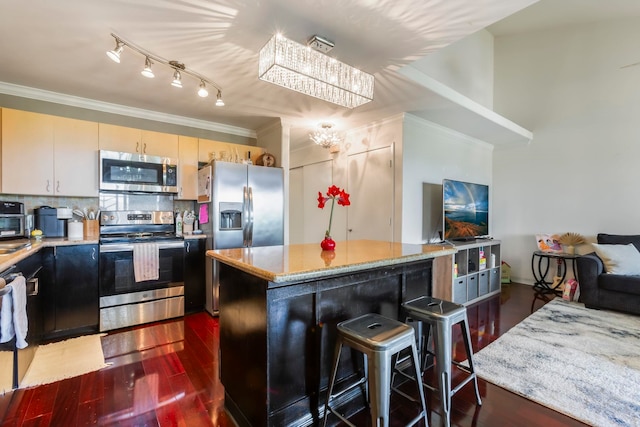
(177, 79)
(114, 54)
(147, 72)
(219, 101)
(203, 92)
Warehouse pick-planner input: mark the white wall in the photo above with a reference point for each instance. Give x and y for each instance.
(430, 154)
(581, 170)
(379, 134)
(465, 66)
(423, 152)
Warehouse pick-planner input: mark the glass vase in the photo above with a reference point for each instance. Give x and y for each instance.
(328, 244)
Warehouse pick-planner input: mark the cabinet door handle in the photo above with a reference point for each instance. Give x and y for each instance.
(188, 246)
(137, 146)
(144, 148)
(93, 254)
(58, 186)
(48, 186)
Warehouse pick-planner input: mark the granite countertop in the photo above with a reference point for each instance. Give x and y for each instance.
(289, 263)
(7, 260)
(194, 236)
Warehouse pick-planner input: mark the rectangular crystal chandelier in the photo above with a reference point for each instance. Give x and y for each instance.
(305, 70)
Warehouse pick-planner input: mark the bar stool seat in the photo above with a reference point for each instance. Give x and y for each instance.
(379, 339)
(442, 316)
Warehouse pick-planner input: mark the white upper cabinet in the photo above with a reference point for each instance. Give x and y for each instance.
(27, 152)
(47, 155)
(187, 168)
(76, 157)
(120, 138)
(159, 144)
(131, 140)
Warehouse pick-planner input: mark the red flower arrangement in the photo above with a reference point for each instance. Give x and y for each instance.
(333, 193)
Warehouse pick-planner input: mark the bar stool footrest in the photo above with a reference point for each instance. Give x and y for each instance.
(350, 387)
(337, 414)
(464, 382)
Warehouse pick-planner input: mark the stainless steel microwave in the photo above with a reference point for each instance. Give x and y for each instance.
(138, 172)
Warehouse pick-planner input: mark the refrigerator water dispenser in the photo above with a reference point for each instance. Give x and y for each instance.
(230, 216)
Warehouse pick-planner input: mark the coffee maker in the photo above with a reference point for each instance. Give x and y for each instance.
(49, 222)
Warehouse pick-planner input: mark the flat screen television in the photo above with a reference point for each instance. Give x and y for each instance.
(465, 210)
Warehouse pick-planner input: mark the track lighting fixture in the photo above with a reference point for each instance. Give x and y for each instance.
(177, 79)
(115, 53)
(179, 68)
(203, 92)
(147, 72)
(219, 101)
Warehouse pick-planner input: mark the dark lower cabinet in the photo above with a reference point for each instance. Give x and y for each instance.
(73, 301)
(31, 269)
(194, 275)
(277, 340)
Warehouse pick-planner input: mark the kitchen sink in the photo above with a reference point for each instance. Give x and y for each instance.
(12, 246)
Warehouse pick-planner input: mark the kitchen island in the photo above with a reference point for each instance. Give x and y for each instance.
(279, 306)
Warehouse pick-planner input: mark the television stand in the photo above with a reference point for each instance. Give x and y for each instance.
(463, 239)
(476, 271)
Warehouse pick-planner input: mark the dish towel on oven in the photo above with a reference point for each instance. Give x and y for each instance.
(145, 261)
(13, 321)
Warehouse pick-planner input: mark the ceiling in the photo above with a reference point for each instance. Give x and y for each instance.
(60, 47)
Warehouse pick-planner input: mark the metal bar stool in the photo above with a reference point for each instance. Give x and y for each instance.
(379, 339)
(441, 316)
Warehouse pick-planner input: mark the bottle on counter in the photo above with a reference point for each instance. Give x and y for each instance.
(179, 224)
(187, 222)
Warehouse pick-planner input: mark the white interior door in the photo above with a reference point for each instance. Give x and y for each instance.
(307, 223)
(317, 178)
(370, 215)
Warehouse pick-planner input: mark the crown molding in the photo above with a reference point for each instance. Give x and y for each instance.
(106, 107)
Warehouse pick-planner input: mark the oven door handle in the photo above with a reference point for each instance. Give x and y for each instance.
(128, 247)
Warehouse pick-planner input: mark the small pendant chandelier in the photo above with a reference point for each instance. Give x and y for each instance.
(325, 137)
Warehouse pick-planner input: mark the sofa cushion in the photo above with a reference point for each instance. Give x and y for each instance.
(619, 239)
(619, 259)
(620, 283)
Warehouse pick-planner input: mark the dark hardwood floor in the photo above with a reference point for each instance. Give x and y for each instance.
(166, 374)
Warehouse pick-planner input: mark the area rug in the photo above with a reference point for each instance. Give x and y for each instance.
(65, 359)
(581, 362)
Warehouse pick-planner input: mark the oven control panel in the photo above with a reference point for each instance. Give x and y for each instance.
(139, 217)
(136, 217)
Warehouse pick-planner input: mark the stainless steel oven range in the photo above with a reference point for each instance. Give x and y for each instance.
(123, 300)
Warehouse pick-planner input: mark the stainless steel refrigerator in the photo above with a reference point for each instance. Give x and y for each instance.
(245, 208)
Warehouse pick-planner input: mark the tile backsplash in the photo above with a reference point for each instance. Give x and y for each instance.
(33, 202)
(110, 201)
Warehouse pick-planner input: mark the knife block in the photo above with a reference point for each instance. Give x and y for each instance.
(91, 229)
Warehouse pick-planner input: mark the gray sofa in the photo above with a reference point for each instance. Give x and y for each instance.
(601, 290)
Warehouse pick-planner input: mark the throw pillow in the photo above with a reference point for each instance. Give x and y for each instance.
(619, 259)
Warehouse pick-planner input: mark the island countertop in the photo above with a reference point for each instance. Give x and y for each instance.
(288, 263)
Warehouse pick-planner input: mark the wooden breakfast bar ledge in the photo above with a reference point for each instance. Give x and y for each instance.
(279, 306)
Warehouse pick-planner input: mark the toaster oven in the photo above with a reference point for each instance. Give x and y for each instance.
(11, 220)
